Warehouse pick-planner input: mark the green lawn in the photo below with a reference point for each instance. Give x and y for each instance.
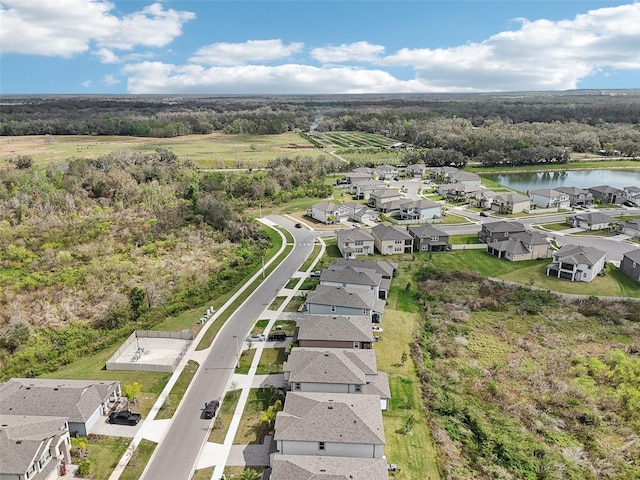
(271, 361)
(295, 304)
(203, 473)
(287, 326)
(307, 263)
(174, 398)
(104, 453)
(246, 359)
(138, 461)
(464, 239)
(224, 416)
(277, 303)
(555, 227)
(251, 429)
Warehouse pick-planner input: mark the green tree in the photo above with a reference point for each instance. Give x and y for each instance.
(131, 391)
(250, 474)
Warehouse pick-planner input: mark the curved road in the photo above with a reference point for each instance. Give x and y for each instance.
(176, 455)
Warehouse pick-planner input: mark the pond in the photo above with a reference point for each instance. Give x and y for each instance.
(525, 181)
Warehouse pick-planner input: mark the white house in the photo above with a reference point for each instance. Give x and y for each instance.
(576, 263)
(549, 198)
(327, 212)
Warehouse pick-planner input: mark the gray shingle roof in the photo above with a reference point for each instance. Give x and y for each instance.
(502, 226)
(421, 204)
(330, 417)
(633, 255)
(512, 198)
(383, 267)
(331, 365)
(518, 243)
(385, 232)
(341, 297)
(353, 235)
(351, 275)
(572, 190)
(606, 189)
(75, 399)
(428, 231)
(356, 328)
(23, 438)
(547, 192)
(308, 467)
(594, 218)
(326, 206)
(578, 254)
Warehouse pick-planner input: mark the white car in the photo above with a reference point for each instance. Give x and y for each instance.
(256, 337)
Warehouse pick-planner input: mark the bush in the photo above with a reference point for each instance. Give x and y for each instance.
(84, 468)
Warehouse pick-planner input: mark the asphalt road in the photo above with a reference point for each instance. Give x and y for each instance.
(176, 455)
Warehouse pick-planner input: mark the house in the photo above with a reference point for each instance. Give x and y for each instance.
(391, 240)
(386, 172)
(327, 212)
(444, 188)
(416, 170)
(359, 175)
(322, 467)
(499, 231)
(632, 195)
(356, 211)
(591, 221)
(577, 196)
(419, 210)
(82, 402)
(630, 264)
(441, 174)
(427, 238)
(522, 246)
(510, 203)
(549, 198)
(362, 189)
(484, 198)
(353, 278)
(354, 242)
(334, 370)
(608, 195)
(386, 269)
(632, 227)
(327, 331)
(328, 300)
(332, 424)
(576, 263)
(460, 192)
(380, 197)
(465, 178)
(33, 447)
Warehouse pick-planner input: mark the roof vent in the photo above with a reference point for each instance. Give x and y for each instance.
(55, 389)
(330, 407)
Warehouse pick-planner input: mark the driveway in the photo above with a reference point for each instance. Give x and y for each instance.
(103, 427)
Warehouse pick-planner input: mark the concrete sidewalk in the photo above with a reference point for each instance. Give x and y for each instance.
(212, 454)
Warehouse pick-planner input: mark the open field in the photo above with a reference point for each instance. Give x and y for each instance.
(215, 150)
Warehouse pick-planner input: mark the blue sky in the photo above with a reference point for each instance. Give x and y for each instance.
(316, 47)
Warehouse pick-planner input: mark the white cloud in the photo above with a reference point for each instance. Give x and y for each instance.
(540, 55)
(64, 28)
(106, 56)
(111, 80)
(358, 51)
(86, 83)
(242, 53)
(157, 77)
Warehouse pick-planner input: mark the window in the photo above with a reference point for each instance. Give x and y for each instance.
(435, 239)
(356, 344)
(31, 471)
(297, 386)
(425, 247)
(359, 242)
(320, 445)
(358, 388)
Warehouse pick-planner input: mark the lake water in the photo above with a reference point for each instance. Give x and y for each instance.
(524, 181)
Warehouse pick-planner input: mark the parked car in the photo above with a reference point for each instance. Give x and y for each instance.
(210, 408)
(315, 274)
(257, 337)
(277, 337)
(484, 214)
(124, 417)
(298, 225)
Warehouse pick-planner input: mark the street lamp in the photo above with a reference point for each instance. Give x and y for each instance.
(237, 352)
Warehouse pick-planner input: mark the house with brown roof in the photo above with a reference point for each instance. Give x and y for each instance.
(391, 240)
(333, 370)
(334, 331)
(630, 264)
(522, 246)
(499, 231)
(332, 424)
(354, 242)
(83, 402)
(33, 447)
(510, 203)
(323, 467)
(576, 263)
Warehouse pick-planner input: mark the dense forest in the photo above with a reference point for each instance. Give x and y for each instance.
(91, 249)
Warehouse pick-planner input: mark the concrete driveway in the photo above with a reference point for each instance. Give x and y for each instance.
(103, 427)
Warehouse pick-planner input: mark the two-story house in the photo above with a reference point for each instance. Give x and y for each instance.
(327, 212)
(461, 192)
(549, 198)
(381, 197)
(386, 172)
(362, 189)
(484, 198)
(465, 178)
(353, 278)
(630, 264)
(420, 210)
(329, 300)
(331, 331)
(416, 170)
(354, 242)
(632, 195)
(441, 174)
(576, 263)
(391, 240)
(510, 203)
(608, 195)
(499, 231)
(578, 197)
(333, 370)
(330, 424)
(427, 238)
(522, 246)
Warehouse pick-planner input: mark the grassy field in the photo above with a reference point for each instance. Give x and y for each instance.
(224, 416)
(174, 398)
(139, 460)
(271, 361)
(215, 150)
(251, 429)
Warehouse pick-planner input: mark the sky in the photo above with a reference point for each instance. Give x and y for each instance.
(316, 47)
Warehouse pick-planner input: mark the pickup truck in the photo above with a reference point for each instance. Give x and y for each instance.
(124, 417)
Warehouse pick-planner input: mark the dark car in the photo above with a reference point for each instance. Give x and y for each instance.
(277, 337)
(210, 408)
(484, 214)
(298, 225)
(124, 417)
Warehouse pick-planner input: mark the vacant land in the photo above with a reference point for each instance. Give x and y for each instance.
(214, 150)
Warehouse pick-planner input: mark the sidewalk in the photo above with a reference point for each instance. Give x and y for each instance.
(220, 454)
